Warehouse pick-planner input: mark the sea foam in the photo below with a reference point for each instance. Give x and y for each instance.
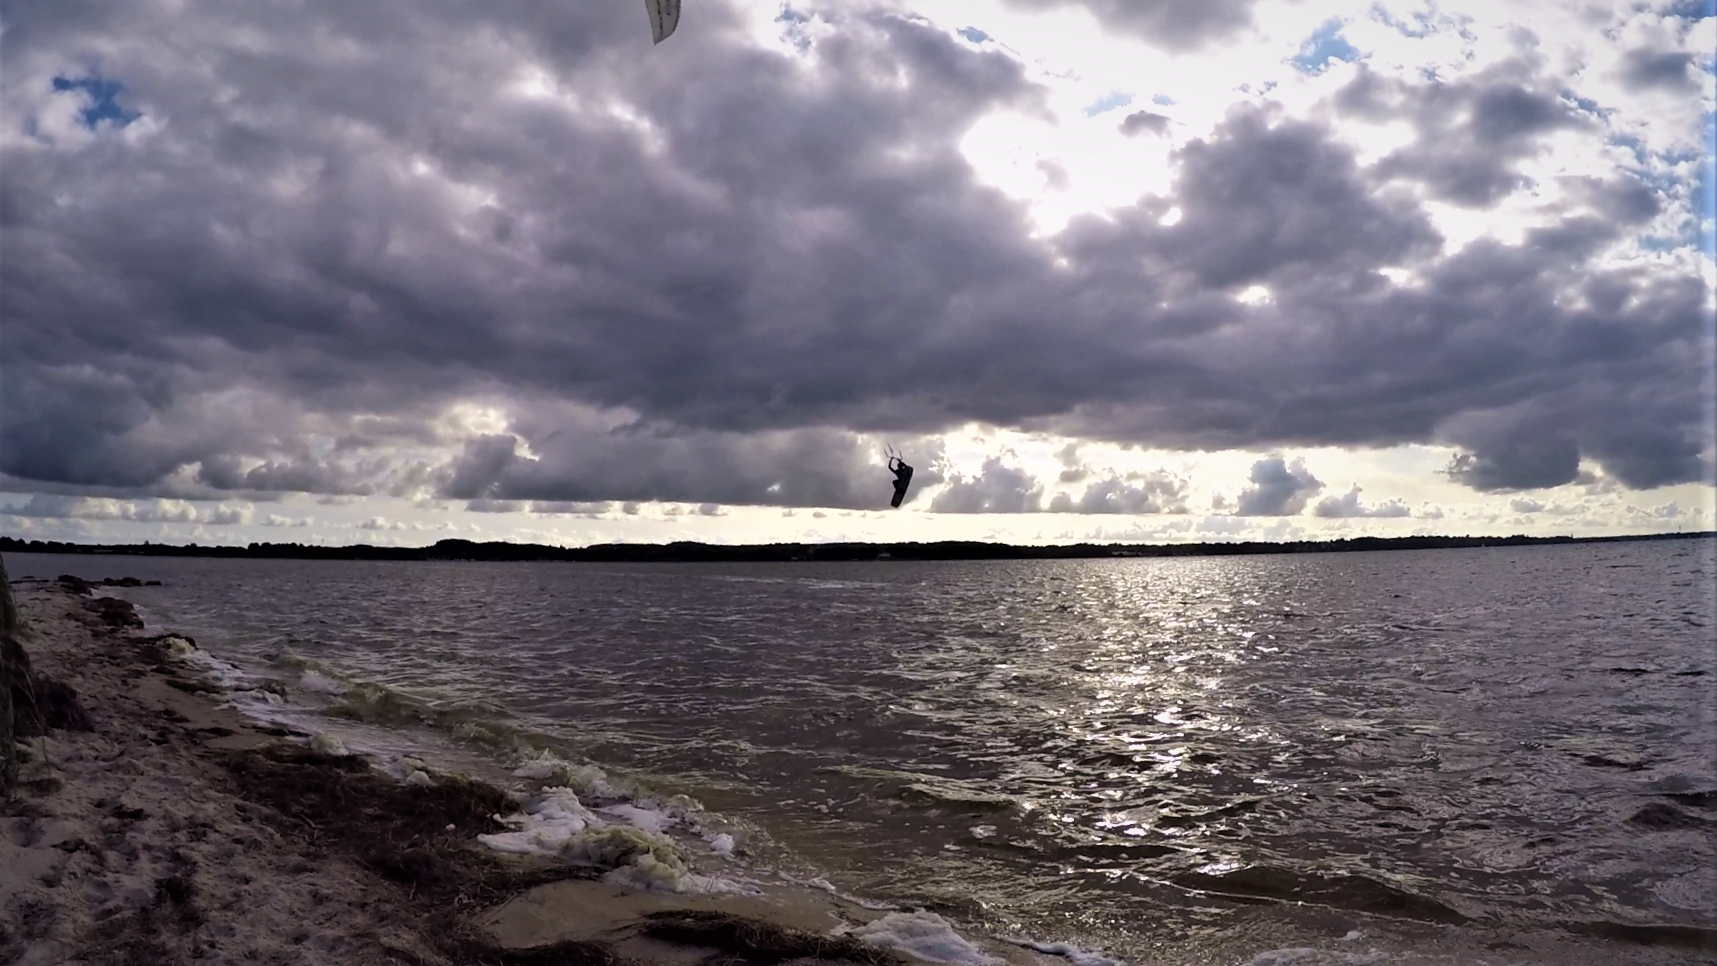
(627, 839)
(320, 683)
(922, 934)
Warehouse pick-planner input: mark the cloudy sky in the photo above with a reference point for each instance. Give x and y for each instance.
(386, 271)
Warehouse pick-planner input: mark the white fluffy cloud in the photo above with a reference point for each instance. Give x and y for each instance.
(1278, 489)
(52, 507)
(1348, 506)
(996, 488)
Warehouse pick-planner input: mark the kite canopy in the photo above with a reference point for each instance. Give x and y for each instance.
(664, 17)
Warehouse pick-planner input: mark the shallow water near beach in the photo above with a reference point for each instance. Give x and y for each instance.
(1500, 755)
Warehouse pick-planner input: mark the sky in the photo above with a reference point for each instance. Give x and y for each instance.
(387, 272)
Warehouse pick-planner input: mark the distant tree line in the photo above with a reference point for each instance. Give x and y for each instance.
(714, 553)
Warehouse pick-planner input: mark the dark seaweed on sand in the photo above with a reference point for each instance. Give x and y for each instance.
(415, 835)
(418, 837)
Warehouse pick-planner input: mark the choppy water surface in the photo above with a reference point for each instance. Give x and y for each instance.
(1128, 752)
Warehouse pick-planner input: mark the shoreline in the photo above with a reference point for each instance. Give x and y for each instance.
(693, 552)
(175, 830)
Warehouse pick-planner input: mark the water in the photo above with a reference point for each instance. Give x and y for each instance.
(1139, 755)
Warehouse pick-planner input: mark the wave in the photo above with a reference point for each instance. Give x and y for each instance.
(642, 839)
(934, 790)
(1355, 893)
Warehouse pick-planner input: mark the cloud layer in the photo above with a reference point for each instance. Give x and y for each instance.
(250, 252)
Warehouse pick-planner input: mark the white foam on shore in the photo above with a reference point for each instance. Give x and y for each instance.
(922, 934)
(320, 683)
(621, 798)
(217, 672)
(651, 820)
(255, 697)
(544, 826)
(1075, 955)
(587, 780)
(628, 840)
(647, 874)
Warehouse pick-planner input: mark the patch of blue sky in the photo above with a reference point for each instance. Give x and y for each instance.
(1692, 9)
(103, 96)
(1324, 45)
(1162, 99)
(1669, 173)
(794, 24)
(1107, 102)
(1662, 243)
(1671, 176)
(1586, 104)
(973, 34)
(1633, 144)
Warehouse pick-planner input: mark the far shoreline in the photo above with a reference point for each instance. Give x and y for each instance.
(693, 552)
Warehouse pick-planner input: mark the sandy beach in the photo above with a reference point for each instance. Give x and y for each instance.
(150, 824)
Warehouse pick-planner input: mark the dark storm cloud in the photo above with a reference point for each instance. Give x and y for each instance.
(1670, 69)
(1279, 488)
(1623, 202)
(365, 289)
(280, 476)
(1165, 23)
(327, 226)
(1472, 132)
(1268, 197)
(1518, 463)
(1494, 346)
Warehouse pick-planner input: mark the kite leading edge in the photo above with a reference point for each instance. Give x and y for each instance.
(664, 17)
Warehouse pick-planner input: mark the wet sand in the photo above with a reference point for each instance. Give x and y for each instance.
(175, 830)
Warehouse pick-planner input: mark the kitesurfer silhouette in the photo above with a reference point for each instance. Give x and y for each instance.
(902, 479)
